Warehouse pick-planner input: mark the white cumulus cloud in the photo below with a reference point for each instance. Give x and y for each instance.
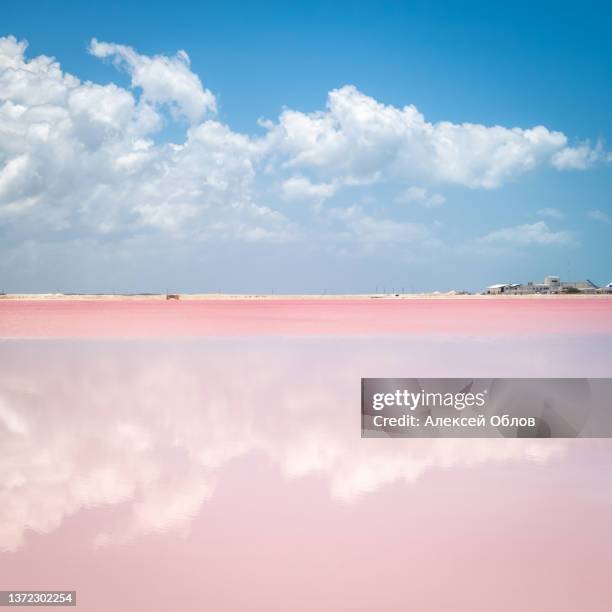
(80, 155)
(420, 195)
(163, 80)
(599, 215)
(301, 188)
(579, 158)
(528, 234)
(85, 161)
(359, 140)
(552, 213)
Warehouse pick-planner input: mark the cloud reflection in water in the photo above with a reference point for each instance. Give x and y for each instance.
(153, 424)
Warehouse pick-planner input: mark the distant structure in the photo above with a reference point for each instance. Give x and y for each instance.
(172, 296)
(551, 285)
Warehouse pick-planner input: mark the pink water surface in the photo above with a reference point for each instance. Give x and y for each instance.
(228, 474)
(158, 318)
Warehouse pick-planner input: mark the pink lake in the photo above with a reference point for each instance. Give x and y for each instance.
(235, 317)
(207, 456)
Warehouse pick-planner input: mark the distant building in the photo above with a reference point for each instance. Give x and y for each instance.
(554, 282)
(497, 289)
(551, 285)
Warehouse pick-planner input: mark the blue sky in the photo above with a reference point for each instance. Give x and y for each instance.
(369, 223)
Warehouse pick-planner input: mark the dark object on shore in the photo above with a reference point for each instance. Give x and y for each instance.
(571, 290)
(172, 296)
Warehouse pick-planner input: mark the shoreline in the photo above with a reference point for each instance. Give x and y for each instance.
(287, 296)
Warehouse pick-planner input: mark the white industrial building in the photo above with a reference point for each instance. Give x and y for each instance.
(551, 285)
